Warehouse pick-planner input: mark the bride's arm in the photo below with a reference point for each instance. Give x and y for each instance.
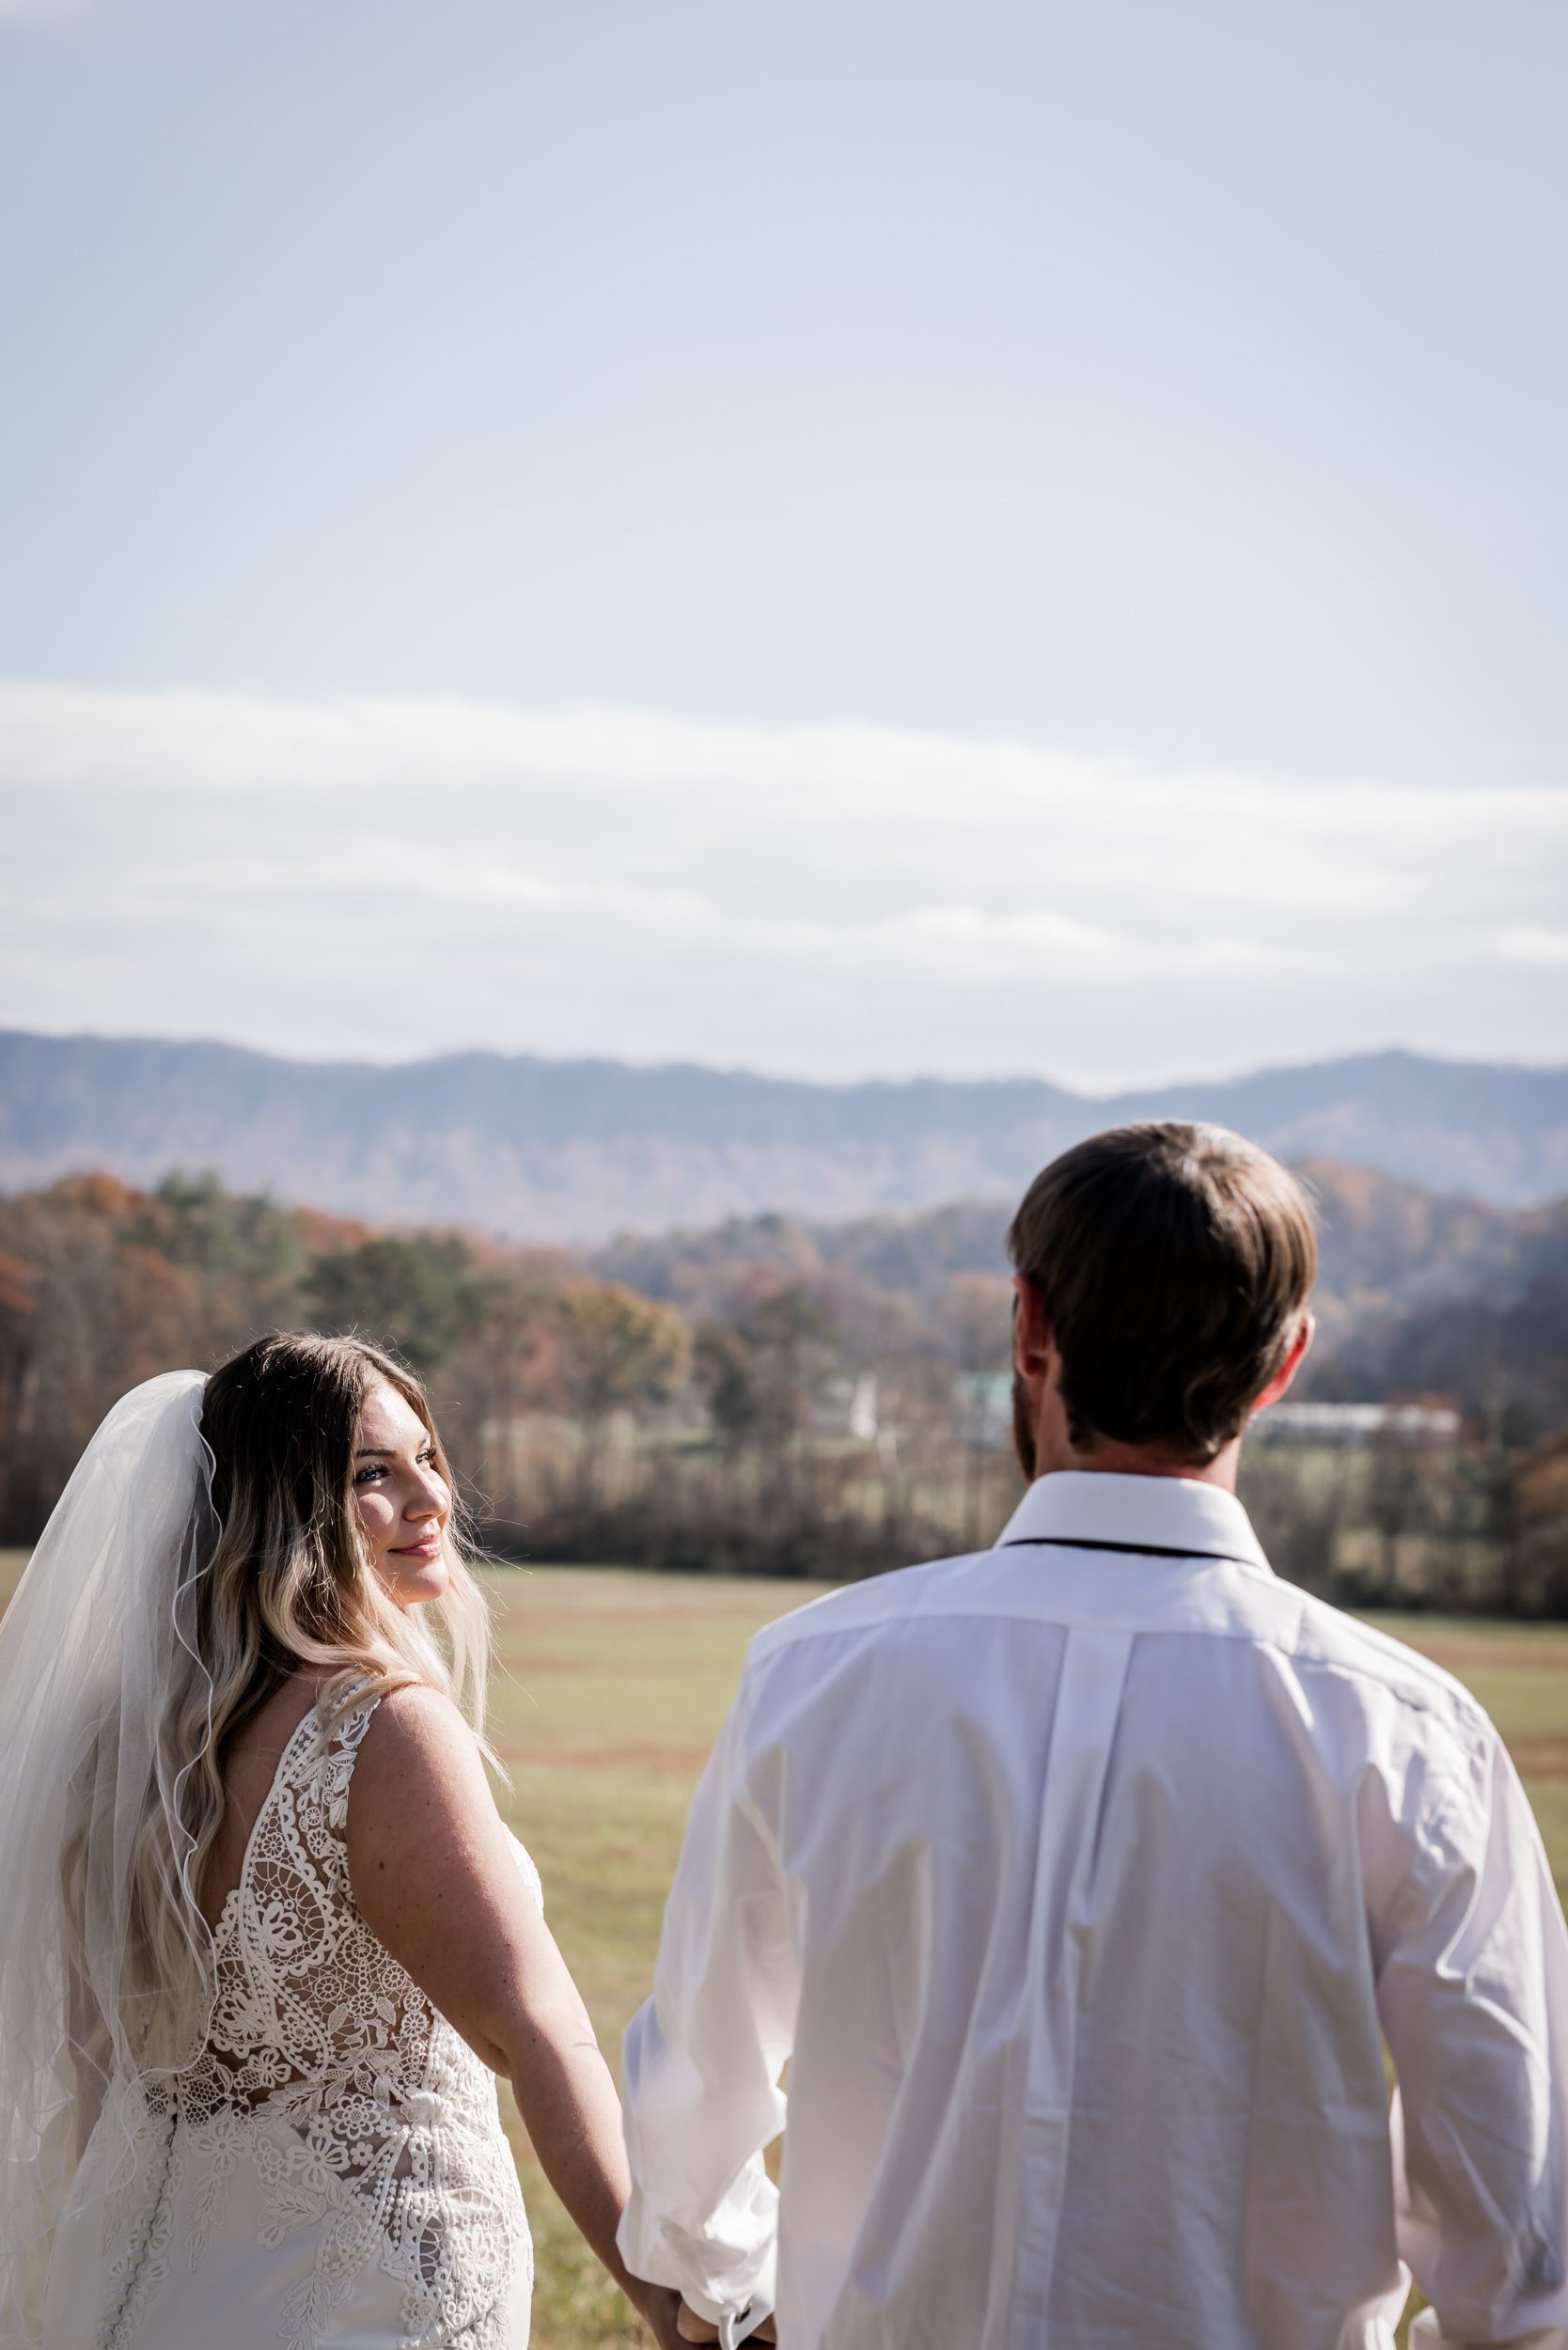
(432, 1871)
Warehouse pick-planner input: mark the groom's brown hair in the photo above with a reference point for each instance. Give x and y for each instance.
(1174, 1263)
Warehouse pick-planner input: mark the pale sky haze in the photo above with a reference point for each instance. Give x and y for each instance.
(843, 540)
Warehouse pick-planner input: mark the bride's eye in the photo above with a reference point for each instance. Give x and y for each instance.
(363, 1477)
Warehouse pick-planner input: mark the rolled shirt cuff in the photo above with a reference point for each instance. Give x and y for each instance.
(760, 2296)
(656, 2254)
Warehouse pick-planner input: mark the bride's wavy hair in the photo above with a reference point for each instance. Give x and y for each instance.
(287, 1581)
(290, 1581)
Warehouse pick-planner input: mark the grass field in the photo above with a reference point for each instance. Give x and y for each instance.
(612, 1686)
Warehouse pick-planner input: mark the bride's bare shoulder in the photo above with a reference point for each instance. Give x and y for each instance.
(418, 1769)
(416, 1718)
(431, 1863)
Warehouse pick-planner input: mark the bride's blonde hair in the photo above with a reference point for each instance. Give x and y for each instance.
(287, 1583)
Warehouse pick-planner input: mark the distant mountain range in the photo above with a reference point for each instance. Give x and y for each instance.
(577, 1152)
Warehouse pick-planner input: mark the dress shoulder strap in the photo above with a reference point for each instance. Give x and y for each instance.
(327, 1763)
(352, 1720)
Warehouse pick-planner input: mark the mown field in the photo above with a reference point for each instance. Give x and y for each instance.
(611, 1687)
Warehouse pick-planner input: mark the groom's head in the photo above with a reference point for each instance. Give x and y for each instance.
(1162, 1274)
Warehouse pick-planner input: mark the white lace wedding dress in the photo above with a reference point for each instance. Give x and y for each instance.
(332, 2174)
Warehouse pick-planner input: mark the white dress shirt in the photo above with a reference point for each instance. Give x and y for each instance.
(1078, 1884)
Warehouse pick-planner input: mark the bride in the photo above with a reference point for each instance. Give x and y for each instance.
(263, 1938)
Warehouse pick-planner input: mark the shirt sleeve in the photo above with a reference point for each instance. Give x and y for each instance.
(1473, 1996)
(702, 2057)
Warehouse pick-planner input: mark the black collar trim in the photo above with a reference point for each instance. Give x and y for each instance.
(1134, 1550)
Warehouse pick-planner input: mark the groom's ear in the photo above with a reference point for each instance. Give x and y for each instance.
(1291, 1365)
(1031, 1329)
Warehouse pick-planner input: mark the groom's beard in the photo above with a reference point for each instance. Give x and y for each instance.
(1023, 1430)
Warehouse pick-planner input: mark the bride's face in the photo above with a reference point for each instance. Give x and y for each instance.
(401, 1498)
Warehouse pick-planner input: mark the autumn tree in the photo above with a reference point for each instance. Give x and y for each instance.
(725, 1371)
(90, 1312)
(248, 1258)
(500, 1371)
(413, 1293)
(613, 1351)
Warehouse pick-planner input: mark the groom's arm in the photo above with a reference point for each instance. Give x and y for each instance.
(1474, 1999)
(701, 2061)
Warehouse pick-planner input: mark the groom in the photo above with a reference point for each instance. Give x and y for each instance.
(1080, 1883)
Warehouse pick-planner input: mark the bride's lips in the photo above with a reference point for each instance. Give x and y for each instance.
(430, 1548)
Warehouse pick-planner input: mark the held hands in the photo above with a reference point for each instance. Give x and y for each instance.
(671, 2322)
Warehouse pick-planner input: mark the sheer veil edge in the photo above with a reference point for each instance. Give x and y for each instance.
(97, 1673)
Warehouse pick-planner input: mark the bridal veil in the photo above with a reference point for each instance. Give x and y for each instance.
(96, 1661)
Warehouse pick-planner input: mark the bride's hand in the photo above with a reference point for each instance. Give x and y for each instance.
(659, 2307)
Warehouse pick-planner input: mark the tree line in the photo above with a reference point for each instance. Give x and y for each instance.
(764, 1409)
(792, 1426)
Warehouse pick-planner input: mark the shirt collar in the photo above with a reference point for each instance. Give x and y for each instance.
(1178, 1515)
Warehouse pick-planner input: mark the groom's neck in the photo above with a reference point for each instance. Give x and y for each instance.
(1104, 1456)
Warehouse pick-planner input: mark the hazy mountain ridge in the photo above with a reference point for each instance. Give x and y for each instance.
(577, 1152)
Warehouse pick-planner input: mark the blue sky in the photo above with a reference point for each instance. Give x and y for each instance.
(1156, 394)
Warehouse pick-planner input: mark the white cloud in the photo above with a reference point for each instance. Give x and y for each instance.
(1532, 943)
(384, 876)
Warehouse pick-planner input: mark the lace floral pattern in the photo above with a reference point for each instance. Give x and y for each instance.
(138, 2227)
(367, 2118)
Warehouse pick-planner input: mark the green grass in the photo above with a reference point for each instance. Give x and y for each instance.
(611, 1689)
